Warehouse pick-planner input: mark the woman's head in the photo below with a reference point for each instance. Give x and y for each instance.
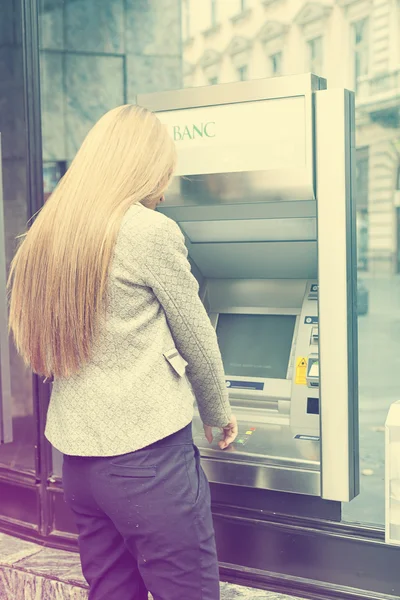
(63, 262)
(129, 154)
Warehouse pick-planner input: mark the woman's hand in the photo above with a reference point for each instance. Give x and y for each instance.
(229, 433)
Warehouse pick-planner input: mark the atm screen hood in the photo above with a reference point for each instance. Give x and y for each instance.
(255, 248)
(258, 147)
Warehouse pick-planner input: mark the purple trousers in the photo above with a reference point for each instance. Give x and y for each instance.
(144, 522)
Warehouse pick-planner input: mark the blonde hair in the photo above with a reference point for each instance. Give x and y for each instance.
(58, 278)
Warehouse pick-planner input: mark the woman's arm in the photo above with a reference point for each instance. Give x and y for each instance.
(169, 275)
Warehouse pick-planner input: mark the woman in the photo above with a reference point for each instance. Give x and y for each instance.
(104, 303)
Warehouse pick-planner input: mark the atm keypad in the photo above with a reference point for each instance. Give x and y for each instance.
(242, 439)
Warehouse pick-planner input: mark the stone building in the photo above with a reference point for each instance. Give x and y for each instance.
(354, 44)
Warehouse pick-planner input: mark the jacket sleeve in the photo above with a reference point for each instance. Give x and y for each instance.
(169, 275)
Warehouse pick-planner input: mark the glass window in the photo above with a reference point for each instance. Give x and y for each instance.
(362, 162)
(242, 73)
(276, 64)
(93, 56)
(315, 55)
(214, 14)
(362, 242)
(52, 173)
(397, 239)
(360, 50)
(96, 55)
(20, 454)
(186, 20)
(361, 189)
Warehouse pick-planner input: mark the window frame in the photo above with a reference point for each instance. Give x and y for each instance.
(312, 61)
(274, 71)
(243, 69)
(359, 48)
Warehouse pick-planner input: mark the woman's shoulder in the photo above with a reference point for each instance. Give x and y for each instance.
(141, 223)
(139, 218)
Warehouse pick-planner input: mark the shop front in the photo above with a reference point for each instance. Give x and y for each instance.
(265, 197)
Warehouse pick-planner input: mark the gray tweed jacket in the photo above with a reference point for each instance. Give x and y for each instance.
(156, 350)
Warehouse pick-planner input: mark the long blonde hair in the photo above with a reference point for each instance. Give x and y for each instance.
(58, 278)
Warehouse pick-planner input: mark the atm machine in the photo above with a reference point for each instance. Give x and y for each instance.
(263, 195)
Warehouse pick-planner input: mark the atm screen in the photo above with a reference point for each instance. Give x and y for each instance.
(256, 345)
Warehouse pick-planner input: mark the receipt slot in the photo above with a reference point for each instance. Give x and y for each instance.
(263, 195)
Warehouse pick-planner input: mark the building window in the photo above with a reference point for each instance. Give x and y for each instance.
(213, 81)
(186, 20)
(315, 55)
(362, 177)
(362, 239)
(276, 63)
(360, 50)
(361, 198)
(52, 173)
(213, 13)
(242, 73)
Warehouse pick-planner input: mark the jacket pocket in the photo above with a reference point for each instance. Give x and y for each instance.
(133, 472)
(177, 362)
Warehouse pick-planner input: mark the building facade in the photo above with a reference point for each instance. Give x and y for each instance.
(63, 63)
(353, 44)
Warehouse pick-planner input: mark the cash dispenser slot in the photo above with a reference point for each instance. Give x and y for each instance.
(314, 336)
(313, 371)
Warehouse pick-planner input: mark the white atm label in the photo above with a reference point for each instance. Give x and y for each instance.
(244, 136)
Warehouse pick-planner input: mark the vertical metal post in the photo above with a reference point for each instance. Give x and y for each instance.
(31, 51)
(5, 376)
(337, 267)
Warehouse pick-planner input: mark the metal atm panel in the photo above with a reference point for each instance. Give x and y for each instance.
(263, 196)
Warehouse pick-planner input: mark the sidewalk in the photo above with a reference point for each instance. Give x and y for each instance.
(31, 572)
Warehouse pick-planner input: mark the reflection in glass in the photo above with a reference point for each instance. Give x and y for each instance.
(343, 36)
(20, 454)
(95, 56)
